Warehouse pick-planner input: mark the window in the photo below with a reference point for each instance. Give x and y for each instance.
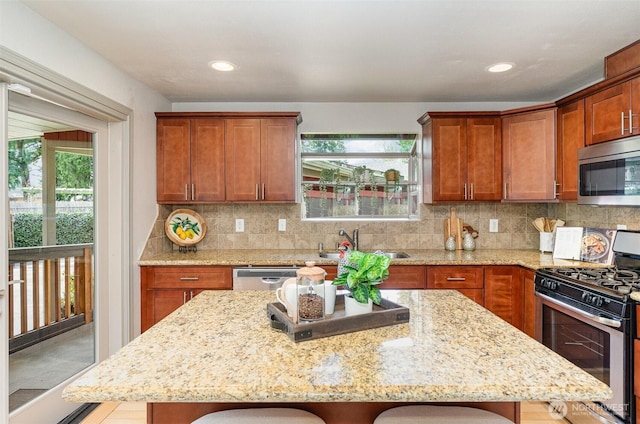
(351, 176)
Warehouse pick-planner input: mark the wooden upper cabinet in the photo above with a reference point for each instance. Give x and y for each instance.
(484, 145)
(449, 158)
(242, 159)
(260, 159)
(278, 160)
(613, 113)
(208, 157)
(570, 138)
(466, 158)
(190, 160)
(528, 141)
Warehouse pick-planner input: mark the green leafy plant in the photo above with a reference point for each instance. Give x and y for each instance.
(364, 272)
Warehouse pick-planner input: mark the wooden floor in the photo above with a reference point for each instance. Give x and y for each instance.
(135, 413)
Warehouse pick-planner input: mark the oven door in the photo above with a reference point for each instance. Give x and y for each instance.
(597, 345)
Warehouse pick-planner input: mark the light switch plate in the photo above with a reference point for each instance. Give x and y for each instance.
(493, 225)
(239, 225)
(282, 224)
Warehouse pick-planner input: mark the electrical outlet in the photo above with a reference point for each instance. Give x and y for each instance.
(493, 225)
(282, 224)
(239, 225)
(621, 227)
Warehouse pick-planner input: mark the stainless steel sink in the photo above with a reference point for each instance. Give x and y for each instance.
(336, 255)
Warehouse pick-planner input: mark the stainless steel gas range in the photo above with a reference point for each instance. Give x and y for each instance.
(587, 315)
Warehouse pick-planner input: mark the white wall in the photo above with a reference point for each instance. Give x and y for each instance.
(29, 35)
(352, 117)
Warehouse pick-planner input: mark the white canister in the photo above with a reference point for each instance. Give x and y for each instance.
(329, 297)
(546, 242)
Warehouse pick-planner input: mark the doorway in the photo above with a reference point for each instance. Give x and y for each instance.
(75, 305)
(51, 288)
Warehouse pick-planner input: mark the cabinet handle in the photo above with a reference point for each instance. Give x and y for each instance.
(631, 115)
(555, 188)
(505, 191)
(456, 279)
(193, 190)
(190, 294)
(189, 278)
(465, 191)
(184, 297)
(622, 123)
(186, 192)
(472, 194)
(262, 191)
(257, 198)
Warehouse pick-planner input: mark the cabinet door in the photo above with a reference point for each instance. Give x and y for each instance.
(503, 293)
(449, 158)
(529, 155)
(163, 302)
(484, 145)
(605, 113)
(277, 151)
(570, 139)
(405, 277)
(242, 159)
(173, 160)
(207, 160)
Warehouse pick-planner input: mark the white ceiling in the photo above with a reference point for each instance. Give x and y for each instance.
(353, 51)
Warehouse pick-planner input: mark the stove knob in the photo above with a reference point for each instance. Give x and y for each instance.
(597, 301)
(586, 297)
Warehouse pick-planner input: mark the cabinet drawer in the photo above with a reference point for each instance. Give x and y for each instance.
(197, 277)
(455, 277)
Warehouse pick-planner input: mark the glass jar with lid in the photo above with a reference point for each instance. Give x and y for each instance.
(310, 292)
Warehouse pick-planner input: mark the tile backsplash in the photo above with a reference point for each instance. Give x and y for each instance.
(261, 226)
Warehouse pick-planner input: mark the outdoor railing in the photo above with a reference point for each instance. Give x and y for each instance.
(50, 291)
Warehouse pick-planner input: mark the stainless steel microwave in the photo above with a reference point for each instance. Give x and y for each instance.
(609, 173)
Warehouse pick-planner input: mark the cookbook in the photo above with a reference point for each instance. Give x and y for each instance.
(584, 244)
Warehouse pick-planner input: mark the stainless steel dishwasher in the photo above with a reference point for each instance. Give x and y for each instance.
(261, 278)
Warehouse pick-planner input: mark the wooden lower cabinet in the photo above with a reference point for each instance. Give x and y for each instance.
(529, 319)
(503, 293)
(165, 288)
(468, 280)
(406, 277)
(400, 276)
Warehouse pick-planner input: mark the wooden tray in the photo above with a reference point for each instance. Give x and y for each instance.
(387, 313)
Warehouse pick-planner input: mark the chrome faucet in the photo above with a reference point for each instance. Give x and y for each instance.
(353, 240)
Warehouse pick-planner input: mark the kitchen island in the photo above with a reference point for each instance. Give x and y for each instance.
(219, 351)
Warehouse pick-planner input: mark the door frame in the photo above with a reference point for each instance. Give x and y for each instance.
(110, 123)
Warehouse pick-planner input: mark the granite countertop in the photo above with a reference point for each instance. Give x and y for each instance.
(220, 347)
(528, 258)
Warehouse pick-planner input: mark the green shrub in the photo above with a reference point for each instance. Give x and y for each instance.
(71, 228)
(74, 228)
(27, 229)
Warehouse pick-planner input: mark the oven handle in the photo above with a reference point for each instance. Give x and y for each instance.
(597, 416)
(601, 320)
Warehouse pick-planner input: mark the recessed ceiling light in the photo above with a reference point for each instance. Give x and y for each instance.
(500, 67)
(222, 65)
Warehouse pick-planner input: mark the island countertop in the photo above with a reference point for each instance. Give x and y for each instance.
(220, 347)
(274, 257)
